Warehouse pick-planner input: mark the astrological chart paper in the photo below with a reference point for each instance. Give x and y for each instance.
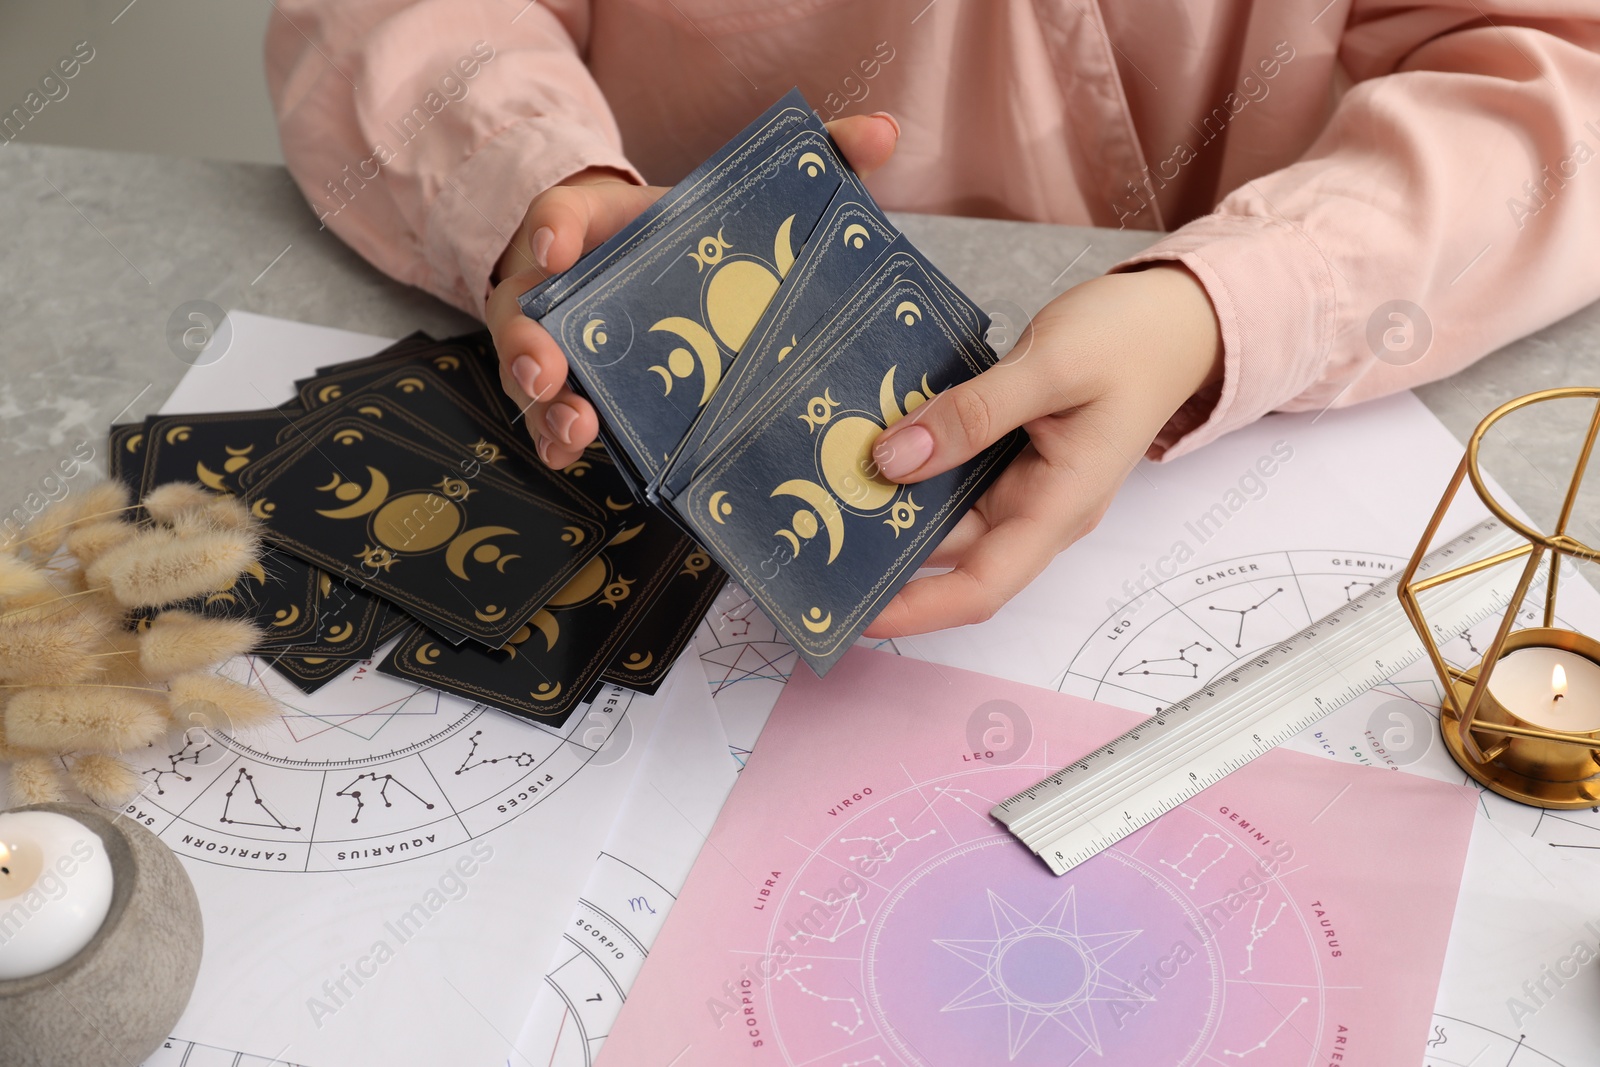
(856, 904)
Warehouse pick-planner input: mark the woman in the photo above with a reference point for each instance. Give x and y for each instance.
(1363, 195)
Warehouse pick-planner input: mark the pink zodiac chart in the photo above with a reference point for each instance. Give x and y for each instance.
(851, 911)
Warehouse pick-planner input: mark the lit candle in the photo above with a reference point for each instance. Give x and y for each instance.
(55, 890)
(1549, 688)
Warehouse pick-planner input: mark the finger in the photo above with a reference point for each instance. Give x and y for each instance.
(958, 541)
(569, 423)
(867, 141)
(533, 367)
(962, 421)
(993, 571)
(566, 221)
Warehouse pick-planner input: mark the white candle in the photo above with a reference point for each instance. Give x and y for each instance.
(1549, 688)
(55, 890)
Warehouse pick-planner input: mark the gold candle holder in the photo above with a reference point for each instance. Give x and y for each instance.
(1533, 741)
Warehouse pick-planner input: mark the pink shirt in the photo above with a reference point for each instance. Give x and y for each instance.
(1314, 163)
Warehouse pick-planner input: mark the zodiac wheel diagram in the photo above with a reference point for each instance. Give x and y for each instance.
(1175, 636)
(359, 777)
(918, 933)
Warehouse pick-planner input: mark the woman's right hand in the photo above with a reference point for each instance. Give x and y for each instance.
(560, 226)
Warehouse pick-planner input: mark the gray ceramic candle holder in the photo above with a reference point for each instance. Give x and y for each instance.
(113, 1003)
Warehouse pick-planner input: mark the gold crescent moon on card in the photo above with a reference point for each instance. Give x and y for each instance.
(887, 404)
(698, 338)
(794, 542)
(782, 254)
(823, 504)
(456, 555)
(547, 625)
(324, 583)
(636, 663)
(348, 436)
(500, 564)
(446, 362)
(573, 535)
(333, 483)
(256, 571)
(329, 392)
(209, 478)
(427, 654)
(821, 623)
(545, 693)
(132, 443)
(590, 329)
(223, 598)
(812, 164)
(614, 506)
(666, 378)
(908, 312)
(369, 502)
(411, 385)
(717, 507)
(855, 235)
(263, 508)
(371, 409)
(177, 433)
(491, 614)
(341, 632)
(288, 616)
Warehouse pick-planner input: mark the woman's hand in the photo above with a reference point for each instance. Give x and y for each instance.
(560, 226)
(1092, 380)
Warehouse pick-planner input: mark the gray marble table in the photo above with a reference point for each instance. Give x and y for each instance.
(100, 249)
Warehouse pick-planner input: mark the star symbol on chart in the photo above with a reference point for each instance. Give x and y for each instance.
(1044, 971)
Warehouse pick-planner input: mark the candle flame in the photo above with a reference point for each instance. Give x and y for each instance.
(1558, 680)
(5, 853)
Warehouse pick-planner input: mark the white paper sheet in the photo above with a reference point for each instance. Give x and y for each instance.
(680, 787)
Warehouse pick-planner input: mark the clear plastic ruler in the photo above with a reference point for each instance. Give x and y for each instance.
(1098, 800)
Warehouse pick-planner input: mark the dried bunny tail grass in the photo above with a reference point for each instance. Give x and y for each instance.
(212, 701)
(36, 780)
(178, 642)
(104, 779)
(158, 567)
(64, 718)
(92, 540)
(21, 583)
(122, 665)
(168, 502)
(101, 500)
(56, 650)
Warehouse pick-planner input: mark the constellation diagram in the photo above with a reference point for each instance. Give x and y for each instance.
(882, 849)
(383, 783)
(1193, 627)
(1193, 865)
(850, 1028)
(1265, 1041)
(1244, 613)
(189, 753)
(1179, 666)
(1258, 930)
(472, 759)
(247, 780)
(359, 775)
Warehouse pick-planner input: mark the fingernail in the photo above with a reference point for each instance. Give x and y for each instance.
(890, 119)
(544, 237)
(560, 417)
(526, 371)
(904, 452)
(541, 445)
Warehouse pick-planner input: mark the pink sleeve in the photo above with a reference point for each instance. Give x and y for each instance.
(420, 131)
(1452, 205)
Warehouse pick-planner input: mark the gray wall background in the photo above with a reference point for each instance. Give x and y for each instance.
(181, 77)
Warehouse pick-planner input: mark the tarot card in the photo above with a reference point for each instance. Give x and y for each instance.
(795, 507)
(668, 625)
(544, 671)
(650, 339)
(211, 448)
(453, 544)
(125, 457)
(747, 150)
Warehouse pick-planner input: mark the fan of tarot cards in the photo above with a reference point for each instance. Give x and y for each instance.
(745, 340)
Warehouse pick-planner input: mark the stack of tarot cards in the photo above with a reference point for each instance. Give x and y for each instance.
(400, 499)
(745, 340)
